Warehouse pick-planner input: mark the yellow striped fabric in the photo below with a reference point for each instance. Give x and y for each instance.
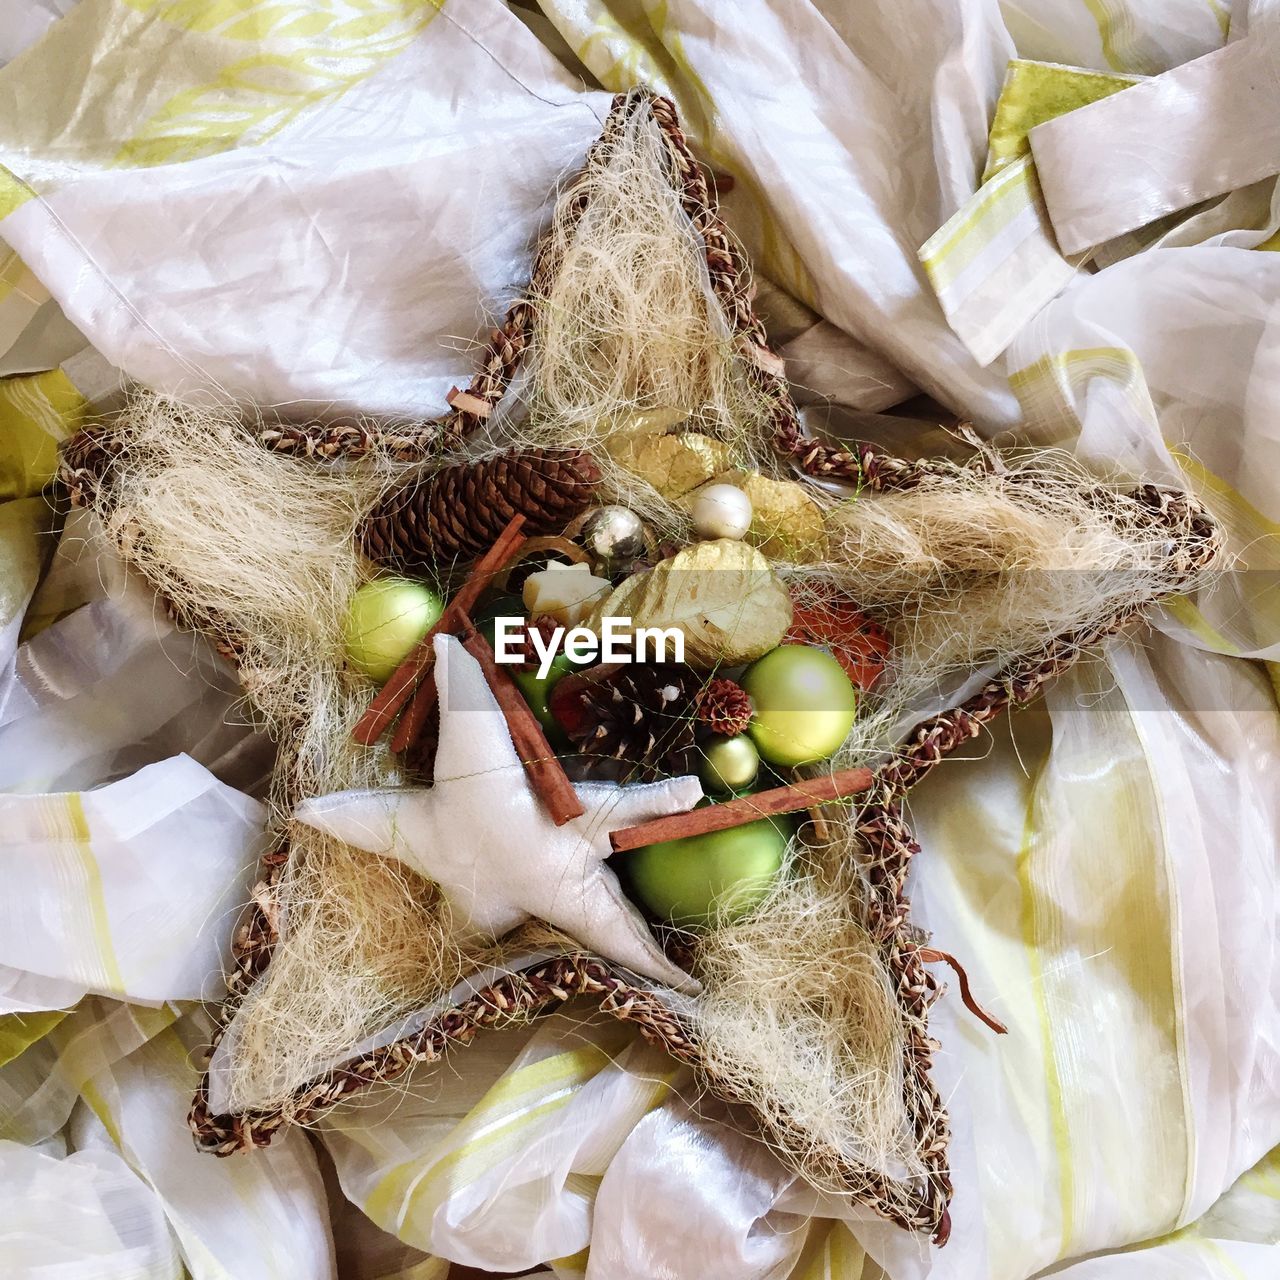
(252, 1219)
(19, 1031)
(293, 57)
(1063, 908)
(1054, 391)
(1034, 92)
(37, 413)
(995, 262)
(624, 44)
(529, 1145)
(247, 70)
(21, 294)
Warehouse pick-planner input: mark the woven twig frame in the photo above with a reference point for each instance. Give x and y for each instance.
(918, 1205)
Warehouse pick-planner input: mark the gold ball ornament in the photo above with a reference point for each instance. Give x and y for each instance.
(721, 511)
(386, 620)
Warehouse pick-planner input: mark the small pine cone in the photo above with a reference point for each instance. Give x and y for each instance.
(86, 458)
(459, 512)
(640, 716)
(724, 707)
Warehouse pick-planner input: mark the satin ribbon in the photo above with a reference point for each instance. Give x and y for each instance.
(1207, 127)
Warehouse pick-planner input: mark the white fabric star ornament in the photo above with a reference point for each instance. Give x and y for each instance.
(482, 835)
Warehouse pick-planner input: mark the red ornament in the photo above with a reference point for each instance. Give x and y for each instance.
(832, 621)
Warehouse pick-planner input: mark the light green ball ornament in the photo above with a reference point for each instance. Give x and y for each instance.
(386, 620)
(698, 879)
(804, 704)
(729, 764)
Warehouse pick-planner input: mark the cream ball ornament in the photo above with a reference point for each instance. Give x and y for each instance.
(386, 620)
(721, 511)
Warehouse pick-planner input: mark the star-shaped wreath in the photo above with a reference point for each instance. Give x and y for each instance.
(493, 773)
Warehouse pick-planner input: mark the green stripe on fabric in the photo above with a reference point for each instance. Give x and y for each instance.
(830, 1253)
(1221, 1261)
(997, 197)
(37, 413)
(19, 1031)
(96, 1103)
(66, 825)
(1034, 909)
(296, 63)
(1099, 889)
(1047, 388)
(504, 1105)
(1208, 482)
(1034, 92)
(1118, 32)
(14, 193)
(575, 1264)
(1187, 612)
(1264, 1178)
(97, 900)
(462, 1167)
(632, 44)
(1255, 537)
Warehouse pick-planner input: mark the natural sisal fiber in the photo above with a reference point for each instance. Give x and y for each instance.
(798, 1018)
(628, 324)
(977, 567)
(261, 550)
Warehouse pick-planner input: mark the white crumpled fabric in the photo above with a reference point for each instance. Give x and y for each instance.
(83, 1215)
(322, 205)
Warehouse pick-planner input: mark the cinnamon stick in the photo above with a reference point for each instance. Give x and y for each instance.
(546, 774)
(417, 714)
(408, 675)
(735, 813)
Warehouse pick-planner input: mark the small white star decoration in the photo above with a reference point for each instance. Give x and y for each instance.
(482, 835)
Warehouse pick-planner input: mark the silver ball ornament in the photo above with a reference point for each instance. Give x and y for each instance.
(614, 536)
(721, 511)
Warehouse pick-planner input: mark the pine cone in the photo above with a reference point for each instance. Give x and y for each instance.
(724, 706)
(85, 459)
(458, 513)
(640, 716)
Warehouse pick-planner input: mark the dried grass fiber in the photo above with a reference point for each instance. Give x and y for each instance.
(798, 1018)
(261, 551)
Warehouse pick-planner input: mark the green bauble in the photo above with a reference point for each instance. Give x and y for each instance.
(698, 879)
(729, 764)
(386, 620)
(537, 692)
(499, 605)
(804, 704)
